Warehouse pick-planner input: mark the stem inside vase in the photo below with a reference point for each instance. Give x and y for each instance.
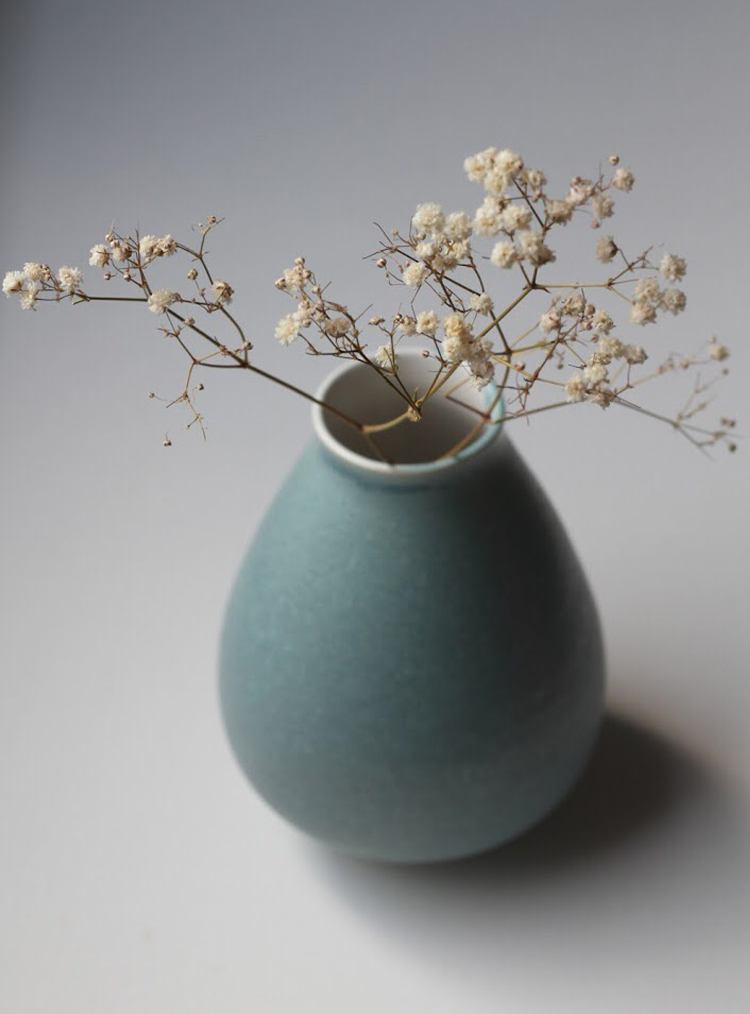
(456, 412)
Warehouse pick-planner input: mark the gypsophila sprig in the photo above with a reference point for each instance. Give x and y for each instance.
(449, 272)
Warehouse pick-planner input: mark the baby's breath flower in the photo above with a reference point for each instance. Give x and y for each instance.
(573, 305)
(147, 247)
(385, 357)
(294, 278)
(673, 267)
(635, 355)
(34, 272)
(504, 254)
(602, 322)
(535, 179)
(425, 250)
(533, 248)
(674, 300)
(166, 246)
(458, 226)
(456, 345)
(428, 323)
(161, 299)
(497, 181)
(192, 274)
(550, 321)
(580, 191)
(337, 327)
(642, 313)
(28, 297)
(481, 303)
(575, 388)
(428, 218)
(477, 166)
(120, 251)
(13, 282)
(559, 212)
(717, 351)
(479, 361)
(223, 292)
(70, 278)
(611, 348)
(408, 326)
(376, 321)
(647, 291)
(602, 395)
(487, 220)
(509, 162)
(595, 372)
(606, 248)
(414, 274)
(623, 179)
(515, 216)
(602, 206)
(287, 329)
(99, 256)
(454, 349)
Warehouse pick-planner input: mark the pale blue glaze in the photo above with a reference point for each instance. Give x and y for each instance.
(412, 672)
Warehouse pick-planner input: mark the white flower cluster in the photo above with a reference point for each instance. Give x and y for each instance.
(441, 242)
(649, 297)
(151, 247)
(34, 278)
(160, 300)
(460, 346)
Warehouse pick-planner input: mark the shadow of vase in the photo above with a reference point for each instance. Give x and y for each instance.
(636, 784)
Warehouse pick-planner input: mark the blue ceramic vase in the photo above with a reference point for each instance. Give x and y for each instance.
(411, 663)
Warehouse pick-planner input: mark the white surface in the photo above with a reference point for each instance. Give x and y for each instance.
(139, 873)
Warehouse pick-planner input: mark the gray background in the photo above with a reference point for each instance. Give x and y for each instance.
(138, 871)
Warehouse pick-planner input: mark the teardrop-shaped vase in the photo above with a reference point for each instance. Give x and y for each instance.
(411, 663)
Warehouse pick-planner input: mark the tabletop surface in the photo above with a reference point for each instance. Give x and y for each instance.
(139, 871)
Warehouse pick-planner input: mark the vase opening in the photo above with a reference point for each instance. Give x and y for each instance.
(361, 393)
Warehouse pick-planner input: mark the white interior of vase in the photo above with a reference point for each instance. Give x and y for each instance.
(363, 394)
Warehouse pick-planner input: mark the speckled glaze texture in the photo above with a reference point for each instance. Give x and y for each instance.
(412, 672)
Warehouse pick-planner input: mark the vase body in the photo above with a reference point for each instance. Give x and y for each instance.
(412, 671)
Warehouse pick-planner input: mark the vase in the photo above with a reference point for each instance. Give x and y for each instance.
(411, 664)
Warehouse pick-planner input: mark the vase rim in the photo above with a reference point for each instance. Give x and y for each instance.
(411, 471)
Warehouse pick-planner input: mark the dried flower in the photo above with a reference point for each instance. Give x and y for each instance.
(623, 179)
(99, 256)
(635, 355)
(385, 357)
(414, 274)
(223, 292)
(533, 248)
(160, 300)
(428, 218)
(606, 248)
(504, 254)
(13, 282)
(673, 267)
(550, 321)
(575, 388)
(716, 351)
(458, 226)
(647, 291)
(29, 296)
(35, 272)
(428, 323)
(481, 304)
(338, 327)
(642, 313)
(70, 278)
(559, 212)
(674, 300)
